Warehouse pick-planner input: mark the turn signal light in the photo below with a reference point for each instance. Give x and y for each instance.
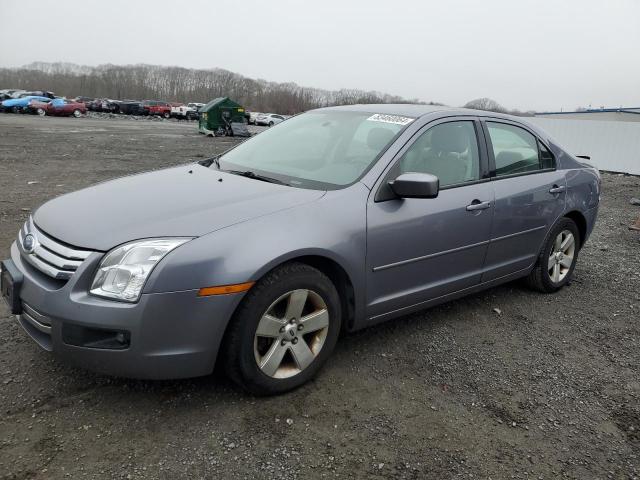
(225, 289)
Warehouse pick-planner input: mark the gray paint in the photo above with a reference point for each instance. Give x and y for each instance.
(400, 255)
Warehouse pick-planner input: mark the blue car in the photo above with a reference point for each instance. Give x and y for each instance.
(16, 105)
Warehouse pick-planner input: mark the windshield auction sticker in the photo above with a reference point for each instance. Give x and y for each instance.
(397, 119)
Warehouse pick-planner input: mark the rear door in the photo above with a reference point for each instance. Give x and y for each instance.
(529, 196)
(419, 249)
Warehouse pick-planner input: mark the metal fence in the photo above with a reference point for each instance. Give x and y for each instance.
(612, 146)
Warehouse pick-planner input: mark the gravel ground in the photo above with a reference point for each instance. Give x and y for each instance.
(503, 384)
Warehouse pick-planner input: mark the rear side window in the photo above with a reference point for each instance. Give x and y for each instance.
(515, 150)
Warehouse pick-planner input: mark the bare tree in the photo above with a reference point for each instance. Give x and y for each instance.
(180, 84)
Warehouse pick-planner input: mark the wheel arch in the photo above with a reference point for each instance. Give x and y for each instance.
(581, 222)
(333, 268)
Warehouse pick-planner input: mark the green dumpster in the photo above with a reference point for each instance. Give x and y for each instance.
(217, 116)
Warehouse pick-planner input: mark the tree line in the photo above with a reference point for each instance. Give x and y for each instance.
(177, 84)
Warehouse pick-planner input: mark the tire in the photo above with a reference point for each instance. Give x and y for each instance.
(15, 110)
(77, 113)
(298, 355)
(41, 111)
(271, 124)
(166, 115)
(552, 271)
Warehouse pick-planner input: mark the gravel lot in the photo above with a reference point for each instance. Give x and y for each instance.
(503, 384)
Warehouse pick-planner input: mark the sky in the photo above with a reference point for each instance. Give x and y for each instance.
(525, 54)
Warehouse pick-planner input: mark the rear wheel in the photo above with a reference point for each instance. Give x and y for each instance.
(284, 330)
(557, 259)
(77, 113)
(41, 112)
(271, 124)
(166, 115)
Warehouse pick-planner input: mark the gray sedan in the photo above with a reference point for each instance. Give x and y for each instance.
(335, 220)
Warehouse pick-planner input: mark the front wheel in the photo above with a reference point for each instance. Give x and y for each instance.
(557, 259)
(77, 113)
(166, 115)
(284, 330)
(271, 124)
(41, 111)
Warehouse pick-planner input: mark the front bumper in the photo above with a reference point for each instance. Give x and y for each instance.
(165, 335)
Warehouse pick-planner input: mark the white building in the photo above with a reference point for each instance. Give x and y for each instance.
(622, 114)
(611, 136)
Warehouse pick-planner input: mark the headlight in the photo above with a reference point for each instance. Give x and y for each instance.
(125, 269)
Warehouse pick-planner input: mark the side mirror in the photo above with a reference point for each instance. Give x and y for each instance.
(415, 185)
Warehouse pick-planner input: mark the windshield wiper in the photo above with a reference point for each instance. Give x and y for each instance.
(208, 161)
(256, 176)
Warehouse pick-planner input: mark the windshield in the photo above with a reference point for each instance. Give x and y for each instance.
(322, 149)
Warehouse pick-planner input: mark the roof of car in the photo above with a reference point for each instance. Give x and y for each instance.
(406, 109)
(419, 110)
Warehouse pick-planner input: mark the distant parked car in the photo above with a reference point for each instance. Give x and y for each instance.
(155, 107)
(131, 107)
(38, 93)
(269, 119)
(59, 107)
(188, 111)
(16, 93)
(85, 100)
(17, 105)
(7, 92)
(194, 113)
(253, 117)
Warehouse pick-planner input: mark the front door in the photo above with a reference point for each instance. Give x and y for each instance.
(422, 249)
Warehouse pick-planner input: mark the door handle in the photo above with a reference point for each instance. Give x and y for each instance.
(478, 205)
(556, 189)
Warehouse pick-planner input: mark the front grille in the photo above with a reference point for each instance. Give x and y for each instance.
(51, 257)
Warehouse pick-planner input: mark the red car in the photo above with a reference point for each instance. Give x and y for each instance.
(154, 107)
(58, 106)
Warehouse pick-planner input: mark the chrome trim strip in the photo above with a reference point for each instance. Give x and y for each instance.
(49, 256)
(453, 250)
(523, 232)
(49, 243)
(432, 255)
(60, 262)
(42, 319)
(35, 323)
(44, 267)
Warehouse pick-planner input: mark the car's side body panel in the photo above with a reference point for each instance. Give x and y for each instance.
(523, 214)
(418, 249)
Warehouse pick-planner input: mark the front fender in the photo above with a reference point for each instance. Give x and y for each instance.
(333, 226)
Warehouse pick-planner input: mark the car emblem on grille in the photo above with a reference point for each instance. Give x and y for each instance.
(29, 243)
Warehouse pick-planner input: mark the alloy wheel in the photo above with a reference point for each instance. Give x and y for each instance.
(561, 256)
(291, 333)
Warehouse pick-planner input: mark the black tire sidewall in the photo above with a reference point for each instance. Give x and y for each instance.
(563, 224)
(256, 304)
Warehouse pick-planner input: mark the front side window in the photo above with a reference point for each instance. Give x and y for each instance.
(322, 149)
(515, 150)
(448, 150)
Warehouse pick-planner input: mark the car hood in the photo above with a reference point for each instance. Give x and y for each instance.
(185, 201)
